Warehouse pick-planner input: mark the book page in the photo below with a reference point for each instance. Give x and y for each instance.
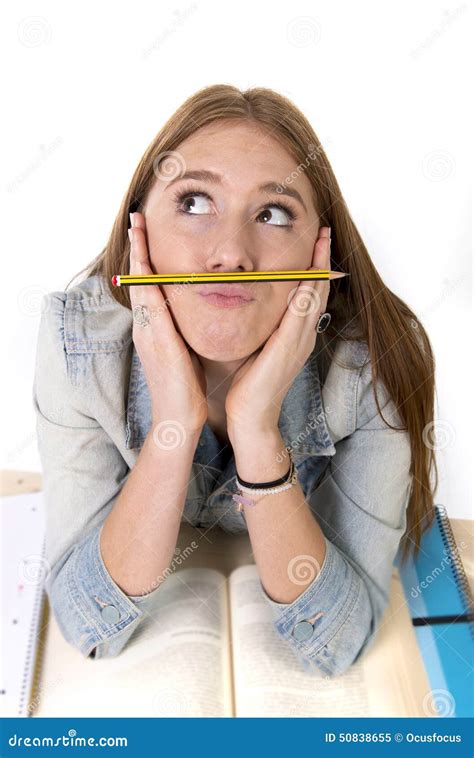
(270, 680)
(177, 663)
(395, 674)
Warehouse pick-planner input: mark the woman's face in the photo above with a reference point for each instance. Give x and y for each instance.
(229, 222)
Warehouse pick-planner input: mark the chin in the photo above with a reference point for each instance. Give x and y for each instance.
(219, 339)
(220, 347)
(225, 353)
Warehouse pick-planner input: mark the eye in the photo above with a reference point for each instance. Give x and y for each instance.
(193, 203)
(277, 214)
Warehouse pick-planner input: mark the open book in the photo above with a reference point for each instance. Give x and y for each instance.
(210, 650)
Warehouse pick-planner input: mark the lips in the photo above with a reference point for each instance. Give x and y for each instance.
(226, 290)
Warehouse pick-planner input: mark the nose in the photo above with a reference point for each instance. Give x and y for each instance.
(229, 251)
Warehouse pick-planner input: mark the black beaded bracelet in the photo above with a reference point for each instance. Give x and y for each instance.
(265, 485)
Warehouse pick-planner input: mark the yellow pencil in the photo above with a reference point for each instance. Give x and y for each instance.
(119, 280)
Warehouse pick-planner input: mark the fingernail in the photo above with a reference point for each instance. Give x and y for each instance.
(329, 232)
(130, 215)
(130, 235)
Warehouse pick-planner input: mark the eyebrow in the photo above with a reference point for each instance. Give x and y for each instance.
(204, 175)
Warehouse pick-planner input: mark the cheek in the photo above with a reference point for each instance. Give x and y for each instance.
(169, 253)
(226, 335)
(278, 303)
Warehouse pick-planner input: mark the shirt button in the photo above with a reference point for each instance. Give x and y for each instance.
(110, 614)
(303, 630)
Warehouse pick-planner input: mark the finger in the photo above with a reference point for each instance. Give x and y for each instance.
(138, 294)
(140, 264)
(324, 234)
(310, 297)
(139, 249)
(138, 221)
(150, 294)
(320, 294)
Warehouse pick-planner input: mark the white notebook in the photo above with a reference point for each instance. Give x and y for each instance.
(24, 571)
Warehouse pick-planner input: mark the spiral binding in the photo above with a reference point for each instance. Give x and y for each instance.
(33, 652)
(460, 577)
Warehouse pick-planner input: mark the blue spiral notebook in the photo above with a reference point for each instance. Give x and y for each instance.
(440, 602)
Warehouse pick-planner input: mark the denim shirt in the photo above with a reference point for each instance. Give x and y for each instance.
(93, 413)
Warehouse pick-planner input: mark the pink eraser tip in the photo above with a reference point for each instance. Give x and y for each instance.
(114, 281)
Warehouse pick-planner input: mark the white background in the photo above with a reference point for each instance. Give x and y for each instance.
(384, 85)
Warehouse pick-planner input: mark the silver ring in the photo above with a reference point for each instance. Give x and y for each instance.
(141, 315)
(323, 322)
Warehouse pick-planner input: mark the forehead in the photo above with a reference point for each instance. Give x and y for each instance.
(244, 153)
(233, 137)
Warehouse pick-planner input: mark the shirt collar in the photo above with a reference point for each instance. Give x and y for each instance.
(302, 421)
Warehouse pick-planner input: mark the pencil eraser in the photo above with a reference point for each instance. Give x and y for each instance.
(115, 280)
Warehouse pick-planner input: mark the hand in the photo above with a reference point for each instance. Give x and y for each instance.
(253, 402)
(173, 372)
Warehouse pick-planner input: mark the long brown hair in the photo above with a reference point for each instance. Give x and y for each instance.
(399, 349)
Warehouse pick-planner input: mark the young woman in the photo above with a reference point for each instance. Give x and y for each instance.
(155, 403)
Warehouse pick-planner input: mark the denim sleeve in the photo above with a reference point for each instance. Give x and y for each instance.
(93, 613)
(360, 506)
(83, 474)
